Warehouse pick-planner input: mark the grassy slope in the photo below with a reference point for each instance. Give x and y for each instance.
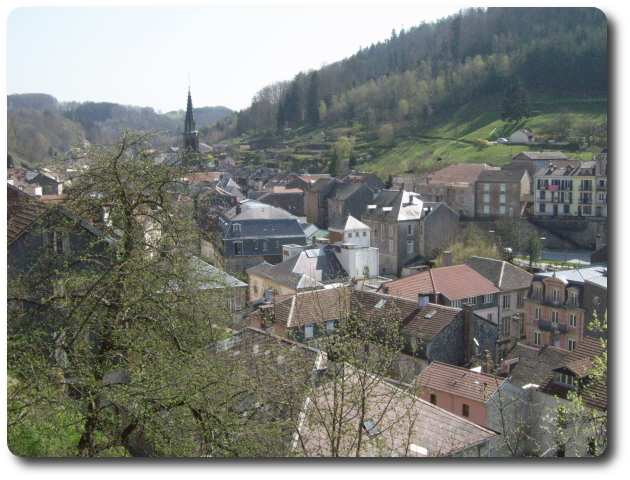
(447, 135)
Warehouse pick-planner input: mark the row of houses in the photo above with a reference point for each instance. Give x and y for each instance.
(538, 183)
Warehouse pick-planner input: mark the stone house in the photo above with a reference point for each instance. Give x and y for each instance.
(555, 307)
(454, 185)
(406, 229)
(502, 193)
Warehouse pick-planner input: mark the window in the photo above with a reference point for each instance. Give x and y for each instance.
(308, 331)
(489, 317)
(486, 187)
(555, 295)
(365, 234)
(330, 326)
(488, 298)
(502, 210)
(433, 399)
(456, 303)
(501, 198)
(238, 248)
(572, 320)
(391, 231)
(519, 299)
(541, 208)
(505, 301)
(391, 246)
(409, 229)
(504, 326)
(502, 187)
(573, 298)
(541, 195)
(273, 226)
(465, 410)
(567, 209)
(571, 344)
(237, 229)
(555, 316)
(486, 197)
(568, 380)
(265, 245)
(538, 292)
(486, 209)
(537, 339)
(537, 315)
(409, 246)
(57, 242)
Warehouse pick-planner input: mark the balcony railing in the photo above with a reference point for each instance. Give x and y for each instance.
(552, 326)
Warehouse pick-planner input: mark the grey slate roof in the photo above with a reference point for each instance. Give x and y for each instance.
(343, 191)
(310, 268)
(597, 274)
(534, 363)
(502, 274)
(502, 176)
(397, 204)
(349, 223)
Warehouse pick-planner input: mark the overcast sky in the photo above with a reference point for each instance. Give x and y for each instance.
(145, 56)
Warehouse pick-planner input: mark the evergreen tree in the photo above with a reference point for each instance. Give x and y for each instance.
(312, 101)
(516, 104)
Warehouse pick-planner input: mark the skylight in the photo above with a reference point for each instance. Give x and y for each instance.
(380, 304)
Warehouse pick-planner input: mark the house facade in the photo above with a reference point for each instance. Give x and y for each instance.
(253, 232)
(454, 185)
(601, 184)
(405, 228)
(565, 188)
(514, 284)
(556, 311)
(502, 193)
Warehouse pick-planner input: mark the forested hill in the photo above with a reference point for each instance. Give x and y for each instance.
(39, 127)
(438, 66)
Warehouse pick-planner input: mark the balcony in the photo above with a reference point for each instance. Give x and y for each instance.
(552, 326)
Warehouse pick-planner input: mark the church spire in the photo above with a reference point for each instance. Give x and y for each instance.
(191, 136)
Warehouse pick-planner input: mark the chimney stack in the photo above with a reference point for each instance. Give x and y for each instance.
(423, 300)
(447, 258)
(385, 289)
(469, 342)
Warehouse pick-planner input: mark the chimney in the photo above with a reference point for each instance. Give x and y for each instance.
(447, 258)
(238, 208)
(598, 241)
(487, 362)
(423, 300)
(469, 341)
(385, 289)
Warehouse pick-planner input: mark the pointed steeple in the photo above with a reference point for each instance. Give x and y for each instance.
(191, 136)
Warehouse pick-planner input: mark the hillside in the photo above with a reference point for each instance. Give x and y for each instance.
(438, 90)
(40, 129)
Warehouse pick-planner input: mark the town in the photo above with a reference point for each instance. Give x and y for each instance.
(401, 253)
(338, 317)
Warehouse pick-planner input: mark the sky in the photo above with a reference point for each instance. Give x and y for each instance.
(148, 56)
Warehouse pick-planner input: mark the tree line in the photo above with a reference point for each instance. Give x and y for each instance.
(434, 66)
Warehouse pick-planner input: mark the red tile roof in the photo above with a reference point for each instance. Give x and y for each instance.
(458, 381)
(424, 325)
(25, 216)
(459, 281)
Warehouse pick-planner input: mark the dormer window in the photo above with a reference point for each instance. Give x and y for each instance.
(565, 379)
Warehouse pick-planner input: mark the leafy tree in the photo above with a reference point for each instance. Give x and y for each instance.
(471, 242)
(532, 247)
(516, 104)
(120, 324)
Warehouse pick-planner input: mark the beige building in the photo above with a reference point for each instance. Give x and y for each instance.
(565, 188)
(454, 185)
